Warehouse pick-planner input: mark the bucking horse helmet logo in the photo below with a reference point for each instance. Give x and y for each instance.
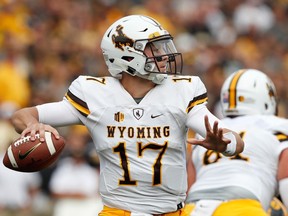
(121, 39)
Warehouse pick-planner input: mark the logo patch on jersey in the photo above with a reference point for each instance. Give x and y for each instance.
(119, 117)
(138, 113)
(156, 116)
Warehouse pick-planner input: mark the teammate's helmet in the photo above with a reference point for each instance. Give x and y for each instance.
(123, 47)
(247, 92)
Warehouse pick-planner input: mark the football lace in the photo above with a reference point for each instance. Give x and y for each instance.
(25, 139)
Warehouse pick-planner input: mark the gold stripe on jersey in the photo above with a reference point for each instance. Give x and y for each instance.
(196, 101)
(79, 104)
(281, 137)
(232, 89)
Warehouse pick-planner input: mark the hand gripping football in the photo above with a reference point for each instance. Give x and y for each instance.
(25, 155)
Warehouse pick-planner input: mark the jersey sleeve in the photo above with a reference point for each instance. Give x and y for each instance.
(197, 109)
(279, 127)
(283, 139)
(76, 97)
(57, 114)
(73, 109)
(200, 95)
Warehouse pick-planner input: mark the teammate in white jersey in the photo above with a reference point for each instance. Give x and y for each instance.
(138, 119)
(246, 183)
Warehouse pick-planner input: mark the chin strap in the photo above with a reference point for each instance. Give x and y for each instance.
(157, 78)
(124, 66)
(154, 77)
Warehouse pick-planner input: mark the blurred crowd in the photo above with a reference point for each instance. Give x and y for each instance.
(45, 44)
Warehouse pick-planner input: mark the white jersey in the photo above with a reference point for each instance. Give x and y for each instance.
(141, 146)
(252, 173)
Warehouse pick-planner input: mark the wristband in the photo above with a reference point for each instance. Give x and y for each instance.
(231, 147)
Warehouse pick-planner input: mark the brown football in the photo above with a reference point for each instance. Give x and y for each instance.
(25, 155)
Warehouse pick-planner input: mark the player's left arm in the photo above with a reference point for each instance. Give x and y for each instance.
(217, 137)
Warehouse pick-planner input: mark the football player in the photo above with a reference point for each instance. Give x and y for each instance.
(138, 119)
(246, 183)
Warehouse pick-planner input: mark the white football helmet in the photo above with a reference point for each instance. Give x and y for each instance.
(123, 47)
(248, 92)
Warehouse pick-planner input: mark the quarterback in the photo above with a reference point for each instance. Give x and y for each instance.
(246, 183)
(138, 118)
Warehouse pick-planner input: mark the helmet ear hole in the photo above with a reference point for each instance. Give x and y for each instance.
(266, 106)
